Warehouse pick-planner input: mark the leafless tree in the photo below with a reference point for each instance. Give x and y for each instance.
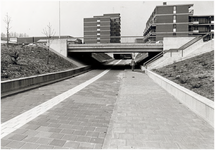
(7, 20)
(49, 32)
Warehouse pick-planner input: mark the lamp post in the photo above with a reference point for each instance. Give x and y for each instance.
(59, 19)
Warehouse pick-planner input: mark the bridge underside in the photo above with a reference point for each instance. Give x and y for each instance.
(115, 48)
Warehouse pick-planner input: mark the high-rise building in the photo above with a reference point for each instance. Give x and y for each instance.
(102, 29)
(176, 21)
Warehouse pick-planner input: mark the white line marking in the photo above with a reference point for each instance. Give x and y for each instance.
(20, 120)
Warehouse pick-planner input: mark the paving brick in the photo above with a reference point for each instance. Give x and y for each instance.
(65, 126)
(56, 125)
(44, 141)
(169, 145)
(67, 131)
(5, 142)
(45, 147)
(92, 134)
(55, 130)
(116, 142)
(79, 132)
(71, 145)
(69, 137)
(43, 128)
(58, 147)
(31, 133)
(134, 143)
(86, 128)
(59, 143)
(32, 126)
(44, 134)
(126, 136)
(65, 121)
(30, 146)
(18, 137)
(82, 139)
(97, 140)
(98, 146)
(20, 131)
(16, 144)
(158, 138)
(102, 135)
(101, 129)
(86, 146)
(31, 139)
(57, 135)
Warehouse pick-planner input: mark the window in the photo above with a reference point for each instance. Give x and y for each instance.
(174, 10)
(98, 20)
(98, 25)
(98, 29)
(174, 19)
(98, 33)
(174, 27)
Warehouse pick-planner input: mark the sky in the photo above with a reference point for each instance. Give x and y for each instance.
(31, 17)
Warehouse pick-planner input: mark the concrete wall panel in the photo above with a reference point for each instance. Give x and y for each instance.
(165, 10)
(164, 19)
(182, 9)
(164, 28)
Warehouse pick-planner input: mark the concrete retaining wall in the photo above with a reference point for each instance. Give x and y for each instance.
(197, 103)
(175, 42)
(60, 46)
(22, 84)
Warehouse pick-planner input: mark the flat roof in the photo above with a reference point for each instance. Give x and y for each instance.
(175, 5)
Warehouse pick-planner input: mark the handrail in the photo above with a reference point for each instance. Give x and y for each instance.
(154, 58)
(158, 55)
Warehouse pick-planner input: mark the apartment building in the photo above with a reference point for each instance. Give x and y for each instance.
(102, 29)
(176, 20)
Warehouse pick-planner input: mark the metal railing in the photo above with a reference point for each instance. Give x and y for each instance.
(123, 39)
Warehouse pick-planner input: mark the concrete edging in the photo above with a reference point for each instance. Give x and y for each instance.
(14, 86)
(200, 105)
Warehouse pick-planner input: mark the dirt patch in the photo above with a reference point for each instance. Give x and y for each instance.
(31, 61)
(196, 74)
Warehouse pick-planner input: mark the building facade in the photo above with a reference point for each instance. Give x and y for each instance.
(102, 29)
(176, 20)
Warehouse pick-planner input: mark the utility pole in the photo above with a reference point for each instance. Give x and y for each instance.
(59, 19)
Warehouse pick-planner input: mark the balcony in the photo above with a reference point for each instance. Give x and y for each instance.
(191, 11)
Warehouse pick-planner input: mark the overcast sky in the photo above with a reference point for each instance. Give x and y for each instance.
(31, 17)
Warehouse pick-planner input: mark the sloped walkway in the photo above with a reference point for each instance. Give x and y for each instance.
(146, 116)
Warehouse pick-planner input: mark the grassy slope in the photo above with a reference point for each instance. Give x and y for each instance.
(32, 61)
(196, 74)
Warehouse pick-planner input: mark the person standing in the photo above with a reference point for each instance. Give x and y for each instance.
(132, 64)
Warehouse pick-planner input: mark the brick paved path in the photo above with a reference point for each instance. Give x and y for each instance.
(142, 116)
(27, 100)
(81, 121)
(146, 116)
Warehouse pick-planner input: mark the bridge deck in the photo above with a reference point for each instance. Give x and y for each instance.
(116, 47)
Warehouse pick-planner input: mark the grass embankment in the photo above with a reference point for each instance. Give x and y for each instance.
(196, 74)
(31, 61)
